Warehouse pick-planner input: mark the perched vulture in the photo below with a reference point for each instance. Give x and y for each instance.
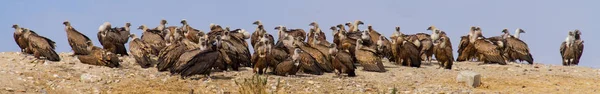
(342, 61)
(283, 31)
(315, 34)
(443, 49)
(572, 49)
(235, 48)
(368, 58)
(290, 66)
(384, 48)
(203, 62)
(323, 48)
(169, 55)
(99, 57)
(374, 35)
(405, 52)
(173, 35)
(353, 27)
(337, 34)
(141, 52)
(162, 26)
(466, 50)
(308, 64)
(319, 56)
(260, 30)
(191, 33)
(21, 41)
(488, 51)
(40, 46)
(516, 48)
(153, 38)
(77, 40)
(424, 43)
(263, 58)
(111, 40)
(189, 55)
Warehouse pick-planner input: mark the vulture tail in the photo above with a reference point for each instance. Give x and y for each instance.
(51, 55)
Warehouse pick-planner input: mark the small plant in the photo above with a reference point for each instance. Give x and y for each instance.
(255, 85)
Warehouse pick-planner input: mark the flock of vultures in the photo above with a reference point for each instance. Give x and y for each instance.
(187, 51)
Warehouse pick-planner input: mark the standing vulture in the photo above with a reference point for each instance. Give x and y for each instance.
(191, 33)
(77, 40)
(21, 41)
(404, 52)
(235, 48)
(466, 51)
(189, 55)
(320, 57)
(40, 46)
(153, 38)
(162, 26)
(263, 58)
(572, 48)
(516, 48)
(487, 50)
(203, 62)
(260, 30)
(443, 49)
(342, 61)
(111, 39)
(315, 34)
(290, 66)
(368, 58)
(424, 43)
(353, 27)
(99, 57)
(141, 52)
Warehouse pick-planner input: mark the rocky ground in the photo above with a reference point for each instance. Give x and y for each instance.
(23, 74)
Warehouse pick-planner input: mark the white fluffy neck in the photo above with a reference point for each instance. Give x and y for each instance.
(517, 33)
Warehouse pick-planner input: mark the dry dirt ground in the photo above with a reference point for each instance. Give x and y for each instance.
(23, 74)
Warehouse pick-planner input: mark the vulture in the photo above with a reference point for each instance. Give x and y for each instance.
(308, 64)
(191, 33)
(488, 51)
(572, 48)
(404, 52)
(443, 49)
(40, 46)
(353, 27)
(215, 30)
(315, 34)
(21, 41)
(424, 43)
(466, 50)
(323, 48)
(374, 35)
(173, 35)
(169, 55)
(111, 40)
(283, 31)
(189, 54)
(337, 34)
(368, 58)
(516, 48)
(290, 66)
(99, 57)
(162, 26)
(237, 49)
(384, 48)
(262, 57)
(342, 61)
(319, 56)
(77, 40)
(141, 52)
(203, 62)
(260, 30)
(153, 38)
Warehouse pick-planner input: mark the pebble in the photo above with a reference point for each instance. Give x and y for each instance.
(9, 89)
(89, 78)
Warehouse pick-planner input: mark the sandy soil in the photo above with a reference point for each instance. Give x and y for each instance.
(23, 74)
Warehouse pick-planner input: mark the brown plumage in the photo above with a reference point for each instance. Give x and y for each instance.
(572, 49)
(308, 64)
(515, 48)
(189, 55)
(77, 40)
(315, 34)
(405, 52)
(424, 43)
(162, 26)
(173, 35)
(99, 57)
(384, 48)
(203, 62)
(21, 42)
(342, 61)
(466, 50)
(190, 33)
(290, 66)
(283, 31)
(141, 52)
(153, 38)
(353, 27)
(443, 51)
(40, 46)
(255, 37)
(237, 51)
(367, 57)
(487, 50)
(321, 59)
(111, 40)
(263, 58)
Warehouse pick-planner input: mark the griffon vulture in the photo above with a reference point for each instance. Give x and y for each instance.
(283, 31)
(315, 34)
(191, 33)
(40, 46)
(290, 66)
(111, 40)
(99, 57)
(141, 52)
(368, 57)
(21, 42)
(77, 40)
(572, 48)
(235, 47)
(260, 30)
(319, 56)
(404, 52)
(443, 49)
(203, 62)
(262, 57)
(515, 48)
(488, 51)
(342, 61)
(153, 38)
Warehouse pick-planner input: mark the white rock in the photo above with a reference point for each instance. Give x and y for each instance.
(470, 78)
(89, 78)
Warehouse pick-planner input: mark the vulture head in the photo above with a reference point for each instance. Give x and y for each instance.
(132, 36)
(183, 21)
(105, 26)
(245, 33)
(380, 43)
(475, 34)
(203, 43)
(280, 31)
(348, 24)
(435, 34)
(365, 35)
(66, 23)
(257, 22)
(316, 41)
(15, 26)
(505, 33)
(570, 38)
(577, 34)
(359, 43)
(432, 28)
(519, 30)
(266, 49)
(314, 24)
(26, 30)
(143, 27)
(225, 36)
(227, 28)
(443, 41)
(163, 22)
(296, 56)
(332, 49)
(396, 34)
(18, 30)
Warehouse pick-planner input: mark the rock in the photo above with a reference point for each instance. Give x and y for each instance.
(470, 78)
(89, 78)
(9, 89)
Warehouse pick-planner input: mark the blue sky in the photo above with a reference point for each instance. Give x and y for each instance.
(545, 21)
